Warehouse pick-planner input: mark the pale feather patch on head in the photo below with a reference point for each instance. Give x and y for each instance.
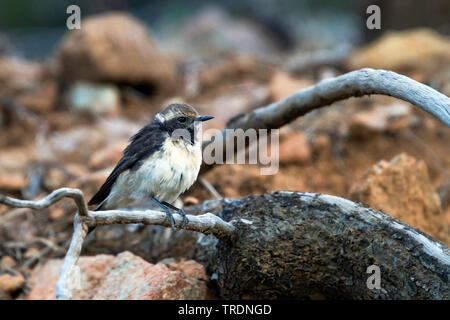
(176, 110)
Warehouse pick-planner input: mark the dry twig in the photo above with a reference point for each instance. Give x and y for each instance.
(207, 223)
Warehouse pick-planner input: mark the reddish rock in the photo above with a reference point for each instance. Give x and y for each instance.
(294, 148)
(125, 276)
(7, 262)
(402, 189)
(190, 268)
(109, 156)
(283, 85)
(29, 82)
(419, 49)
(11, 283)
(321, 144)
(383, 118)
(12, 181)
(114, 47)
(44, 277)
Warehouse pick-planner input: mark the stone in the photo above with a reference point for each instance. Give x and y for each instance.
(97, 99)
(12, 181)
(11, 283)
(294, 148)
(29, 82)
(7, 262)
(109, 156)
(114, 47)
(391, 118)
(283, 85)
(213, 32)
(240, 99)
(417, 49)
(402, 189)
(125, 276)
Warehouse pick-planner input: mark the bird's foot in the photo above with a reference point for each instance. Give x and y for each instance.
(180, 211)
(185, 221)
(170, 218)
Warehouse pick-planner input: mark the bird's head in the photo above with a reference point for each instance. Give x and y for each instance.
(180, 121)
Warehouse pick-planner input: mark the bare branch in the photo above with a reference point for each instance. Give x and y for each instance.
(353, 84)
(66, 281)
(55, 196)
(207, 223)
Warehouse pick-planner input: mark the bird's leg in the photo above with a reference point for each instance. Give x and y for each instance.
(169, 216)
(180, 212)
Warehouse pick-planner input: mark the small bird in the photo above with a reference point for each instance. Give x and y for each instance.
(161, 162)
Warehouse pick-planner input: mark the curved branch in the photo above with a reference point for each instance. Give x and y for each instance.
(67, 275)
(353, 84)
(55, 196)
(207, 223)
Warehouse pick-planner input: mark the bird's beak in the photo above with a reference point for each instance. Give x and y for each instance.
(204, 118)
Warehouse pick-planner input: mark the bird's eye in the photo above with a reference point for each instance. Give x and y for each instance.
(181, 119)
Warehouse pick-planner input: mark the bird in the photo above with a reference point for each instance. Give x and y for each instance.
(160, 163)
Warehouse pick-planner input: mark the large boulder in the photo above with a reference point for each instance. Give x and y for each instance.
(417, 49)
(124, 276)
(402, 189)
(114, 47)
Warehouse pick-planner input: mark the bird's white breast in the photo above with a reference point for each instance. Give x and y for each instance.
(164, 175)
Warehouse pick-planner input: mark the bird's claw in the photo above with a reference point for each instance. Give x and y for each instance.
(185, 221)
(171, 219)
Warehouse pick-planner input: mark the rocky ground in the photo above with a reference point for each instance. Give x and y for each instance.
(65, 121)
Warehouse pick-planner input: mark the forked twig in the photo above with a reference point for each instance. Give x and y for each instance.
(206, 223)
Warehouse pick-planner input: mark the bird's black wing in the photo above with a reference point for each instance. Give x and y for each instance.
(143, 144)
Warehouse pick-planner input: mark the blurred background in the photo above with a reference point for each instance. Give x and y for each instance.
(69, 101)
(35, 27)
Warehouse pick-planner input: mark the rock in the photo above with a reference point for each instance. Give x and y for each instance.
(190, 268)
(402, 189)
(11, 283)
(116, 48)
(294, 148)
(321, 144)
(383, 118)
(418, 49)
(16, 159)
(18, 74)
(56, 212)
(240, 99)
(79, 143)
(213, 32)
(233, 69)
(44, 277)
(31, 252)
(7, 262)
(29, 82)
(189, 200)
(283, 85)
(12, 181)
(124, 276)
(94, 98)
(109, 156)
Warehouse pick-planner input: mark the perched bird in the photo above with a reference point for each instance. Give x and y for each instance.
(161, 162)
